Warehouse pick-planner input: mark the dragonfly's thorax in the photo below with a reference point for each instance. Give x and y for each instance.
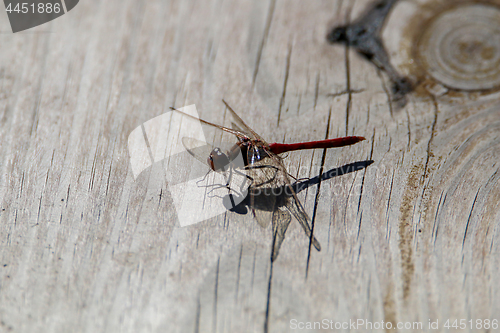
(253, 150)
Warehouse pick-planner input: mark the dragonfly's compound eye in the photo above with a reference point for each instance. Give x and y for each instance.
(217, 160)
(210, 162)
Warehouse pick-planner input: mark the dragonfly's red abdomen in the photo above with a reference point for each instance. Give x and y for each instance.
(279, 148)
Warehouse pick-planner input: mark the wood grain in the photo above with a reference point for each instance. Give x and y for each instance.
(87, 248)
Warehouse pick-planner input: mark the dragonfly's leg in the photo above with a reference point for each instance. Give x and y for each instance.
(215, 195)
(216, 187)
(213, 185)
(299, 179)
(228, 179)
(228, 175)
(203, 179)
(228, 183)
(303, 179)
(250, 179)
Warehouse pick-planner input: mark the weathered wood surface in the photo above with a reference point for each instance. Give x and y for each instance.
(86, 248)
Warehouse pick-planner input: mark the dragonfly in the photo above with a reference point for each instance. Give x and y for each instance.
(270, 195)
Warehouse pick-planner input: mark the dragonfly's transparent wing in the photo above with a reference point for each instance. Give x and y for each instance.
(236, 127)
(271, 191)
(262, 216)
(241, 124)
(262, 197)
(198, 149)
(295, 207)
(281, 220)
(219, 127)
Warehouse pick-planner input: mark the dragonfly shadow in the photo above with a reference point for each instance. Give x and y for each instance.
(343, 170)
(269, 198)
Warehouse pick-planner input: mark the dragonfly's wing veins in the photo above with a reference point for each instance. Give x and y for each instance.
(292, 202)
(270, 180)
(241, 124)
(281, 220)
(236, 127)
(262, 198)
(226, 129)
(296, 209)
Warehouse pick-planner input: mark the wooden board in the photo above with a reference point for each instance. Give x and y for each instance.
(414, 237)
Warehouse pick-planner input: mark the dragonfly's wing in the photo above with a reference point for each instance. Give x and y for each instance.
(236, 127)
(228, 130)
(198, 149)
(295, 207)
(262, 197)
(269, 179)
(290, 199)
(281, 220)
(241, 124)
(263, 217)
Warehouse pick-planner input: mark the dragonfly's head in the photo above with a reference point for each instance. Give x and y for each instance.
(218, 161)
